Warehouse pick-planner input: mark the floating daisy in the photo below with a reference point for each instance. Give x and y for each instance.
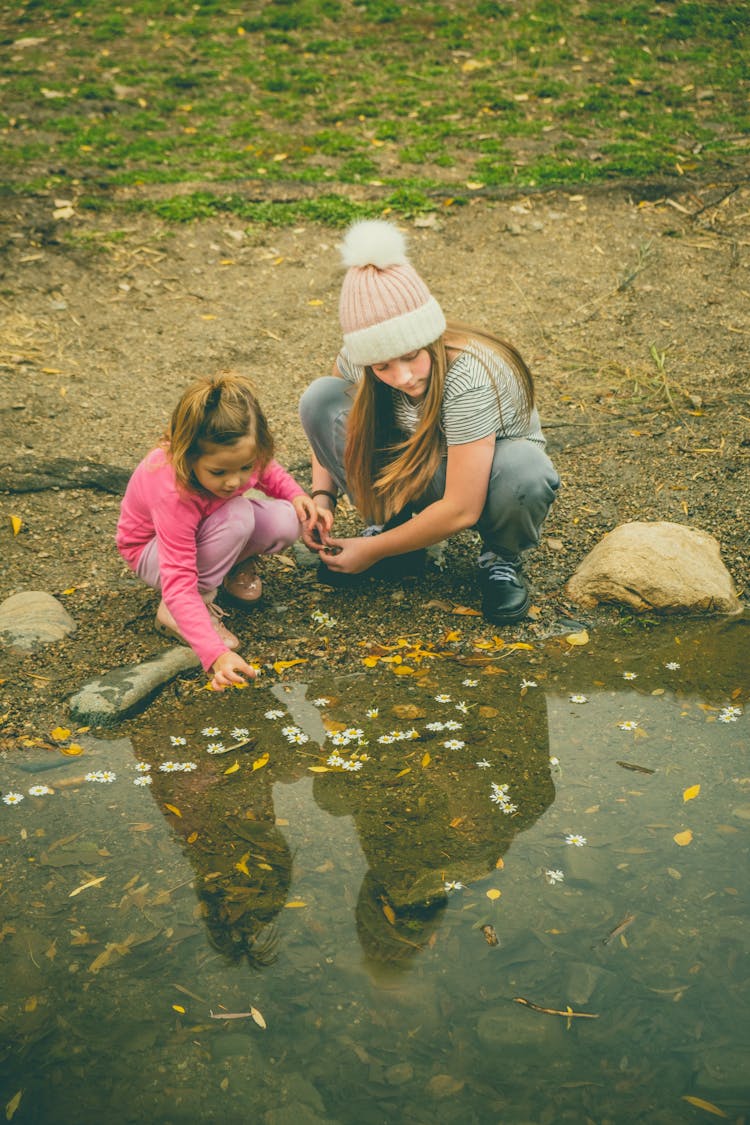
(144, 779)
(554, 762)
(482, 764)
(411, 734)
(386, 739)
(628, 724)
(727, 717)
(40, 791)
(169, 767)
(553, 877)
(576, 840)
(352, 766)
(454, 744)
(463, 707)
(672, 665)
(324, 619)
(335, 759)
(435, 726)
(297, 738)
(178, 740)
(579, 698)
(215, 748)
(630, 675)
(13, 798)
(442, 698)
(143, 767)
(453, 724)
(105, 777)
(239, 733)
(528, 683)
(321, 701)
(210, 732)
(372, 713)
(731, 710)
(470, 683)
(272, 715)
(186, 767)
(454, 885)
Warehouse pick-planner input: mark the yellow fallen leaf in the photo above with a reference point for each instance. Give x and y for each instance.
(258, 1017)
(683, 838)
(233, 768)
(690, 793)
(314, 302)
(701, 1103)
(13, 1105)
(402, 772)
(265, 867)
(493, 893)
(318, 769)
(16, 523)
(581, 638)
(173, 809)
(426, 760)
(282, 665)
(294, 904)
(370, 661)
(260, 762)
(465, 611)
(85, 886)
(500, 864)
(389, 913)
(403, 670)
(241, 864)
(60, 734)
(192, 837)
(179, 1008)
(72, 750)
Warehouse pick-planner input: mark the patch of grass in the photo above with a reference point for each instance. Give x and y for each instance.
(327, 91)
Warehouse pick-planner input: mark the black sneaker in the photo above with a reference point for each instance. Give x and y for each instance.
(391, 568)
(505, 595)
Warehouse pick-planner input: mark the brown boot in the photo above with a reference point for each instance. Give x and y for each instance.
(243, 582)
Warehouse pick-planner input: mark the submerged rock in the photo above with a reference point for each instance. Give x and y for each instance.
(34, 618)
(125, 691)
(661, 567)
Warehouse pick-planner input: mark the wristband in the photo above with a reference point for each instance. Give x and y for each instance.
(324, 492)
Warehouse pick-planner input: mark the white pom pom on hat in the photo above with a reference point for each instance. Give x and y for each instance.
(386, 310)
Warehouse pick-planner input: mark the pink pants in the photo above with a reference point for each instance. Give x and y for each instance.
(235, 531)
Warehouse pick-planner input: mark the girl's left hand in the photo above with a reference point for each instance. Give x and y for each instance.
(306, 509)
(228, 669)
(350, 556)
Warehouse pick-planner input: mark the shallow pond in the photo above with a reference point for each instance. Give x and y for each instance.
(510, 887)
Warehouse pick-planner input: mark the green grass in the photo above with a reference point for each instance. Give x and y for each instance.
(411, 101)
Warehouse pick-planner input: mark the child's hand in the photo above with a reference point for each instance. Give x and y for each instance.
(228, 669)
(315, 535)
(306, 509)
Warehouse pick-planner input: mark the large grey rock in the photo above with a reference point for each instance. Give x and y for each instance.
(33, 618)
(656, 566)
(125, 691)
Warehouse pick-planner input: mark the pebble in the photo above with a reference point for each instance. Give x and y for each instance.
(32, 618)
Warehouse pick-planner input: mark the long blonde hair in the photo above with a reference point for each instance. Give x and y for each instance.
(218, 409)
(383, 470)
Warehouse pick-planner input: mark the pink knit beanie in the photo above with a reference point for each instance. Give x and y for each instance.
(386, 309)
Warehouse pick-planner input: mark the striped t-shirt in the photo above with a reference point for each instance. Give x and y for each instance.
(471, 410)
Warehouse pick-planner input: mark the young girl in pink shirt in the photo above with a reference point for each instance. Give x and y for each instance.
(186, 526)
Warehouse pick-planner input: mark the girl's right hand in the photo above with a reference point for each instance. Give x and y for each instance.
(315, 535)
(228, 669)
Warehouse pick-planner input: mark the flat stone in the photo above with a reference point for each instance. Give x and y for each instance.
(33, 618)
(126, 691)
(662, 567)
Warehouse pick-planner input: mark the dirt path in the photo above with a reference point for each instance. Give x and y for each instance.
(633, 316)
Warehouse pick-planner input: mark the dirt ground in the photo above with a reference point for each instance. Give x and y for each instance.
(630, 306)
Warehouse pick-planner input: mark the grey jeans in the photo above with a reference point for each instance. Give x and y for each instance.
(523, 481)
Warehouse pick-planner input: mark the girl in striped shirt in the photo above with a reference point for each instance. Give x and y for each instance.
(429, 426)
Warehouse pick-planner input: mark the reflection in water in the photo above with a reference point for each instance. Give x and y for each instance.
(108, 990)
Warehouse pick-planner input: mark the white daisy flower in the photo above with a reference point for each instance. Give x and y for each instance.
(372, 713)
(453, 724)
(321, 701)
(272, 715)
(143, 767)
(470, 683)
(210, 732)
(356, 766)
(92, 775)
(442, 698)
(435, 726)
(454, 744)
(40, 791)
(576, 840)
(169, 767)
(503, 788)
(482, 764)
(463, 707)
(297, 738)
(215, 748)
(12, 798)
(672, 665)
(454, 885)
(334, 759)
(144, 779)
(498, 798)
(628, 724)
(630, 675)
(354, 732)
(731, 710)
(508, 808)
(411, 734)
(554, 762)
(386, 739)
(579, 698)
(177, 740)
(107, 776)
(553, 877)
(239, 733)
(727, 717)
(186, 767)
(528, 683)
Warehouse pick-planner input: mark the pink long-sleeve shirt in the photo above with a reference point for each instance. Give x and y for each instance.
(154, 505)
